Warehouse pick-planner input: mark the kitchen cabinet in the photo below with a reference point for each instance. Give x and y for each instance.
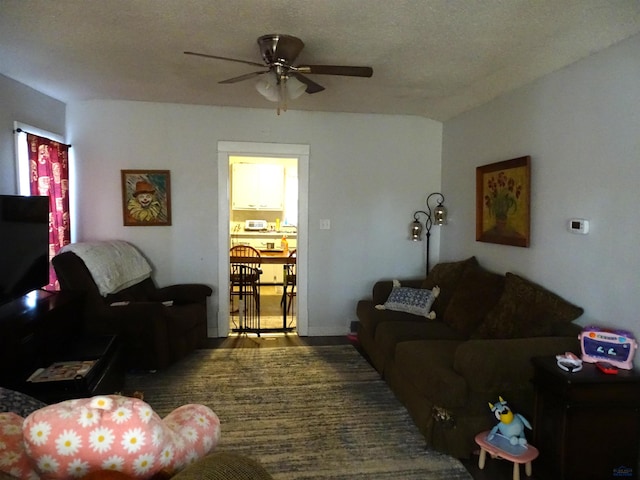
(271, 274)
(257, 186)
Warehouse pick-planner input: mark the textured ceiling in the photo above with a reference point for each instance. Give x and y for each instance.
(434, 58)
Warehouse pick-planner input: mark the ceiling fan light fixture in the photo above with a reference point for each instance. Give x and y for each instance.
(267, 86)
(288, 88)
(284, 81)
(295, 88)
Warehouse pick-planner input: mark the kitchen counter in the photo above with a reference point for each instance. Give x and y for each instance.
(264, 234)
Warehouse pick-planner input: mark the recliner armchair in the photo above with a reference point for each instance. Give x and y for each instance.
(156, 326)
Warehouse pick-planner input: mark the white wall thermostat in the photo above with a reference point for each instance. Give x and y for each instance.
(578, 225)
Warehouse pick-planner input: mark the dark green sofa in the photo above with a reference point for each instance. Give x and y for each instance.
(488, 326)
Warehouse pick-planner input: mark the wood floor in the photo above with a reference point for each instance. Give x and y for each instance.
(495, 469)
(273, 340)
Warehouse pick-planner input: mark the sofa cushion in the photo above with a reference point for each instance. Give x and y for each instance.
(416, 301)
(477, 292)
(382, 288)
(428, 366)
(526, 309)
(446, 276)
(390, 334)
(370, 317)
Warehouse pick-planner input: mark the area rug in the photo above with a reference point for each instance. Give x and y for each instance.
(303, 412)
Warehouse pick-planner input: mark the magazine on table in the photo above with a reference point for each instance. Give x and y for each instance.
(72, 370)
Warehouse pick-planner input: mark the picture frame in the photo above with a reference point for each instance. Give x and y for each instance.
(146, 197)
(503, 199)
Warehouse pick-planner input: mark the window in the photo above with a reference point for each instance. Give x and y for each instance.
(43, 169)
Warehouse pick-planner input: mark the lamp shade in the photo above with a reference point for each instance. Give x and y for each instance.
(294, 88)
(289, 87)
(415, 231)
(267, 86)
(440, 215)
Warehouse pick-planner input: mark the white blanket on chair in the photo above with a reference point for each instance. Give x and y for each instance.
(114, 265)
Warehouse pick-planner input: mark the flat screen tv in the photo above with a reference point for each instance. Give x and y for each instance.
(24, 245)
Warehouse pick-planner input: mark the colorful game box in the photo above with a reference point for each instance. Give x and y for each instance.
(617, 347)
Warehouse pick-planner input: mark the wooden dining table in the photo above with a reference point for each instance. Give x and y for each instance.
(267, 256)
(272, 257)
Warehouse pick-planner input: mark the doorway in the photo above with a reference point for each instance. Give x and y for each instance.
(263, 213)
(286, 154)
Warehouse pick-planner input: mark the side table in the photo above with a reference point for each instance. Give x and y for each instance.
(105, 377)
(587, 423)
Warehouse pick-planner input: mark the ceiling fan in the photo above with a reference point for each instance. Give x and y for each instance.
(286, 80)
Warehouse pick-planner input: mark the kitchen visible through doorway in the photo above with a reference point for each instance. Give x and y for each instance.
(263, 214)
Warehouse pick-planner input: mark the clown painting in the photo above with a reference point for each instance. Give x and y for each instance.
(146, 197)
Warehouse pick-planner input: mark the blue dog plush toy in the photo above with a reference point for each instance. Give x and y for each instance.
(511, 424)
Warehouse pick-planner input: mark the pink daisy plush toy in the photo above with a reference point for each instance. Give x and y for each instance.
(73, 438)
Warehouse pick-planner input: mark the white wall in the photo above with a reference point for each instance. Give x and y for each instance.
(368, 173)
(581, 126)
(20, 103)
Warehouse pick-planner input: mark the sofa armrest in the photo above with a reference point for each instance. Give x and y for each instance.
(496, 365)
(138, 317)
(183, 293)
(382, 288)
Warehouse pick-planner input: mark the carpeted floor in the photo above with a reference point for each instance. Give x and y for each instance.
(317, 412)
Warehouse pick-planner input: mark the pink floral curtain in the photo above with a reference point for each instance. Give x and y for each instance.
(49, 176)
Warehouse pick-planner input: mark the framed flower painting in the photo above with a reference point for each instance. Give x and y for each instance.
(503, 192)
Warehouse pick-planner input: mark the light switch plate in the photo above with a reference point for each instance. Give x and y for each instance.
(325, 224)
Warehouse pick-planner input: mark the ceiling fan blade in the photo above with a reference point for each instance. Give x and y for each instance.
(312, 87)
(246, 76)
(335, 70)
(255, 64)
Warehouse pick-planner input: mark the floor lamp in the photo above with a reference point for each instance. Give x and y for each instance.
(437, 216)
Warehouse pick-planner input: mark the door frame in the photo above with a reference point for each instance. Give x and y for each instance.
(281, 150)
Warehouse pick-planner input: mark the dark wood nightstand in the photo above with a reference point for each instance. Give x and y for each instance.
(586, 424)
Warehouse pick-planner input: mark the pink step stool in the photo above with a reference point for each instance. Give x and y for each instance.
(501, 448)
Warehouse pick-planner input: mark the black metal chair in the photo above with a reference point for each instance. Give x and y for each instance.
(289, 282)
(244, 278)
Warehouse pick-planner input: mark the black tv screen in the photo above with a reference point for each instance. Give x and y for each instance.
(24, 245)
